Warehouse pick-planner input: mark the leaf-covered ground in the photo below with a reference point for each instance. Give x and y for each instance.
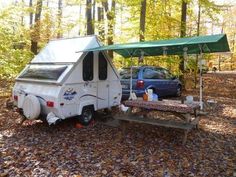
(35, 149)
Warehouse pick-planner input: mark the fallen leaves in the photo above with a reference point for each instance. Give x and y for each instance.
(35, 149)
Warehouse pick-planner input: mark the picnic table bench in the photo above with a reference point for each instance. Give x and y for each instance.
(186, 112)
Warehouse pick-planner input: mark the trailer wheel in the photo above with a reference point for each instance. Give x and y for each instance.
(87, 115)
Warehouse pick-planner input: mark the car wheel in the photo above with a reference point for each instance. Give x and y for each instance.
(179, 91)
(87, 115)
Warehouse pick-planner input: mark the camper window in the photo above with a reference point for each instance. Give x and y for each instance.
(102, 67)
(88, 67)
(43, 72)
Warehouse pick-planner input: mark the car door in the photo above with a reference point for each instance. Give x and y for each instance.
(166, 84)
(171, 84)
(153, 78)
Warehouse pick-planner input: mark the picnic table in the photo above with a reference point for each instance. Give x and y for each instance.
(186, 112)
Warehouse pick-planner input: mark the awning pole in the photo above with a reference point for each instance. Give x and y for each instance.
(131, 76)
(200, 80)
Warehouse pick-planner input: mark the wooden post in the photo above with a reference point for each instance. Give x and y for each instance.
(187, 119)
(185, 136)
(123, 129)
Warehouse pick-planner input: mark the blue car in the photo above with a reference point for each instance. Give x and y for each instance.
(160, 80)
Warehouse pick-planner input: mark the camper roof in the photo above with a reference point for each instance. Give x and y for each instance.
(65, 50)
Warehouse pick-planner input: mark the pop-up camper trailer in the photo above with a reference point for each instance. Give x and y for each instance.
(64, 80)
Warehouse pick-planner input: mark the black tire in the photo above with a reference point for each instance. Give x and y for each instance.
(87, 115)
(178, 91)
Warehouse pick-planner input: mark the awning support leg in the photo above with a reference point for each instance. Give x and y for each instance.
(200, 81)
(131, 77)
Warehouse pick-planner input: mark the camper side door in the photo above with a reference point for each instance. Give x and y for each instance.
(103, 83)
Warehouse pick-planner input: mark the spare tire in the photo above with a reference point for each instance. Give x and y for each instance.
(31, 107)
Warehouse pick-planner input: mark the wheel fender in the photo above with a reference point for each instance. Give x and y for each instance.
(82, 105)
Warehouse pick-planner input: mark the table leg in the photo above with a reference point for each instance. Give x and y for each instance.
(123, 125)
(187, 119)
(185, 136)
(129, 112)
(196, 118)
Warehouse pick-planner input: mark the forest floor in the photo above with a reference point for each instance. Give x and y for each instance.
(35, 149)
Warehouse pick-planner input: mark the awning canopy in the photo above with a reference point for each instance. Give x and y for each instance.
(190, 45)
(180, 46)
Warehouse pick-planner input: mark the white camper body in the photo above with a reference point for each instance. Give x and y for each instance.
(64, 80)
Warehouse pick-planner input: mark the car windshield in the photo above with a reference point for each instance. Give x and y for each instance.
(125, 73)
(43, 72)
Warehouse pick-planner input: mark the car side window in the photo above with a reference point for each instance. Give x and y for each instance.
(167, 74)
(153, 73)
(88, 67)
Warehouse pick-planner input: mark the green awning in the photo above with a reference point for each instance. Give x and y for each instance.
(190, 45)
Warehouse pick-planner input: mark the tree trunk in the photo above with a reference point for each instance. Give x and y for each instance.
(183, 19)
(101, 28)
(22, 14)
(142, 21)
(31, 13)
(47, 30)
(183, 34)
(232, 55)
(80, 12)
(59, 16)
(198, 33)
(198, 19)
(90, 28)
(93, 17)
(110, 17)
(36, 29)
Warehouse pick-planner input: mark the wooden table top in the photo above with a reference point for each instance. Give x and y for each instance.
(165, 105)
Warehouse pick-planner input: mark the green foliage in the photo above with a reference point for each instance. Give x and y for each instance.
(162, 22)
(14, 45)
(16, 36)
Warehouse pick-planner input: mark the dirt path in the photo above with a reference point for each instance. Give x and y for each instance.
(35, 149)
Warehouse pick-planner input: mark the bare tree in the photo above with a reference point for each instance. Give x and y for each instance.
(110, 13)
(183, 34)
(80, 14)
(233, 48)
(183, 18)
(31, 13)
(22, 14)
(94, 8)
(198, 33)
(90, 27)
(142, 20)
(36, 29)
(101, 25)
(59, 16)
